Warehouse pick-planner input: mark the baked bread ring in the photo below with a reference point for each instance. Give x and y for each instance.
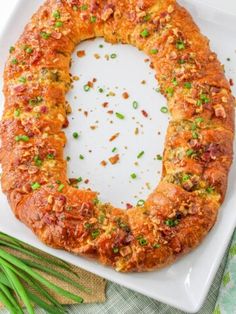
(198, 150)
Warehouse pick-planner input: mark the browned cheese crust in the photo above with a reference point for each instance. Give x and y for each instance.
(198, 150)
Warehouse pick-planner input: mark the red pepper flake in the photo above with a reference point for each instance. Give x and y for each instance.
(86, 181)
(94, 80)
(103, 163)
(80, 53)
(113, 137)
(105, 104)
(144, 113)
(125, 95)
(128, 206)
(231, 82)
(110, 111)
(93, 127)
(114, 159)
(86, 113)
(146, 60)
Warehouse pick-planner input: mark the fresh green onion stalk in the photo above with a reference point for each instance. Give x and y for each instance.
(17, 272)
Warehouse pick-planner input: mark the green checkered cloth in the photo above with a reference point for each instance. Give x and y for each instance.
(121, 300)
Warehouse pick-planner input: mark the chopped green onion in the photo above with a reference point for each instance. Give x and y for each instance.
(22, 80)
(93, 19)
(45, 35)
(159, 157)
(79, 179)
(75, 135)
(35, 186)
(84, 7)
(86, 88)
(188, 85)
(170, 91)
(144, 33)
(171, 222)
(156, 246)
(29, 50)
(95, 233)
(133, 175)
(56, 14)
(58, 24)
(140, 154)
(61, 187)
(189, 152)
(50, 156)
(174, 81)
(38, 162)
(113, 55)
(81, 157)
(135, 104)
(115, 250)
(180, 45)
(14, 61)
(153, 51)
(23, 138)
(120, 116)
(140, 203)
(142, 241)
(17, 113)
(114, 149)
(12, 49)
(164, 109)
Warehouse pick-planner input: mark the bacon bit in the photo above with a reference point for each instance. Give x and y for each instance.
(114, 159)
(126, 250)
(144, 113)
(113, 137)
(220, 111)
(56, 35)
(97, 56)
(80, 53)
(231, 82)
(93, 127)
(170, 9)
(103, 163)
(86, 113)
(90, 84)
(68, 108)
(108, 11)
(212, 57)
(44, 109)
(173, 55)
(94, 80)
(36, 56)
(20, 89)
(110, 111)
(146, 60)
(125, 95)
(105, 104)
(86, 181)
(128, 206)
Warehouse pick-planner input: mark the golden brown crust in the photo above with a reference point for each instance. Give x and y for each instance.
(198, 151)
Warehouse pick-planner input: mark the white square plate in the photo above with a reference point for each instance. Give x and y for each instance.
(186, 283)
